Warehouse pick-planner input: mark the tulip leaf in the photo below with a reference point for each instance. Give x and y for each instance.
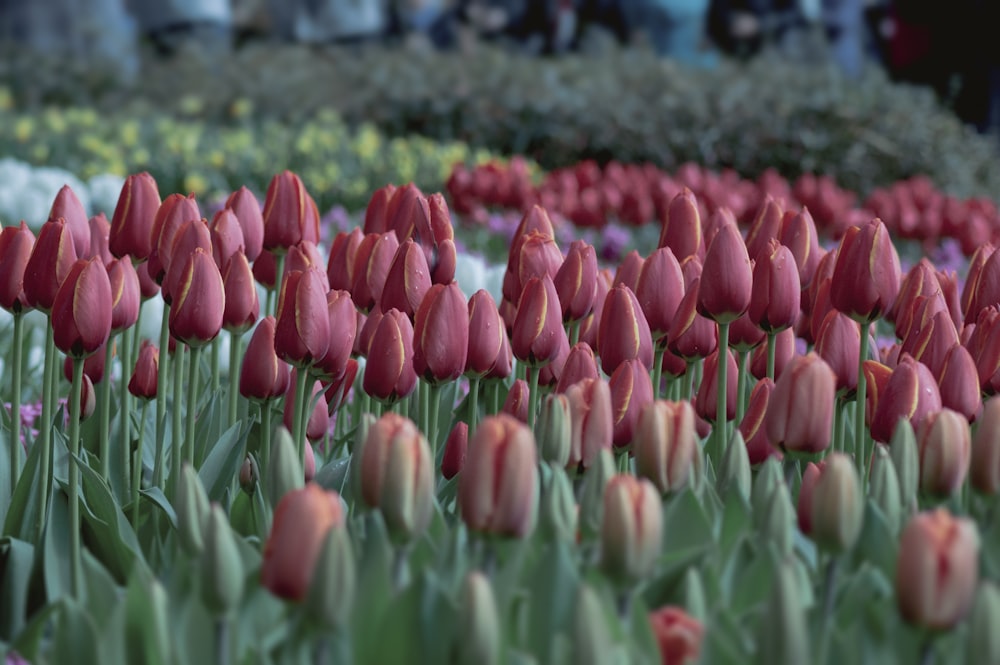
(877, 543)
(76, 638)
(55, 550)
(417, 625)
(16, 562)
(22, 512)
(752, 582)
(553, 587)
(686, 527)
(721, 643)
(30, 637)
(209, 427)
(374, 575)
(156, 497)
(223, 462)
(101, 591)
(733, 523)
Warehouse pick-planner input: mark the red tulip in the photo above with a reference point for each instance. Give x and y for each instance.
(517, 401)
(67, 206)
(371, 267)
(227, 236)
(919, 281)
(804, 508)
(877, 377)
(175, 210)
(200, 301)
(784, 351)
(959, 383)
(343, 253)
(124, 294)
(706, 402)
(590, 326)
(631, 389)
(576, 281)
(248, 213)
(945, 444)
(389, 373)
(910, 393)
(407, 281)
(93, 365)
(759, 447)
(666, 445)
(866, 276)
(486, 334)
(839, 344)
(985, 464)
(538, 323)
(659, 291)
(678, 635)
(456, 449)
(16, 243)
(81, 311)
(441, 334)
(774, 302)
(765, 227)
(629, 270)
(263, 375)
(290, 214)
(343, 330)
(691, 335)
(319, 419)
(132, 221)
(100, 232)
(681, 231)
(242, 304)
(580, 364)
(302, 334)
(798, 233)
(800, 411)
(624, 333)
(340, 388)
(191, 235)
(375, 212)
(744, 335)
(52, 257)
(147, 368)
(975, 272)
(726, 277)
(591, 421)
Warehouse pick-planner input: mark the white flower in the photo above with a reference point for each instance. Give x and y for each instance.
(27, 193)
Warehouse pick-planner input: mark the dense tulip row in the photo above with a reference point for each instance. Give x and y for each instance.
(589, 195)
(597, 413)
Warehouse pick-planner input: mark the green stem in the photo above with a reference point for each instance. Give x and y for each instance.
(135, 341)
(76, 561)
(574, 333)
(194, 358)
(15, 402)
(741, 392)
(859, 414)
(222, 640)
(473, 403)
(657, 376)
(435, 406)
(532, 395)
(301, 383)
(839, 426)
(159, 467)
(688, 384)
(423, 392)
(265, 435)
(45, 430)
(772, 343)
(235, 346)
(137, 467)
(104, 424)
(176, 433)
(829, 592)
(125, 408)
(721, 385)
(279, 278)
(215, 363)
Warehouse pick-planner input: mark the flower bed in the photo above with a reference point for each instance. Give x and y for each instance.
(697, 454)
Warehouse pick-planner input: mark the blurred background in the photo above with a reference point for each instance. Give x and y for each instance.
(211, 94)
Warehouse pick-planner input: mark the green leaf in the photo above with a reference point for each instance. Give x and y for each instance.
(22, 513)
(156, 497)
(55, 550)
(16, 561)
(374, 575)
(877, 543)
(686, 528)
(113, 540)
(734, 524)
(553, 588)
(76, 638)
(419, 624)
(223, 462)
(102, 592)
(209, 426)
(752, 582)
(30, 637)
(722, 641)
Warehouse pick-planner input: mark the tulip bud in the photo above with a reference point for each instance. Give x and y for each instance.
(839, 344)
(226, 235)
(592, 427)
(343, 331)
(681, 230)
(407, 281)
(784, 352)
(192, 508)
(945, 444)
(319, 418)
(659, 291)
(800, 411)
(726, 277)
(191, 236)
(778, 520)
(132, 221)
(631, 529)
(389, 374)
(758, 446)
(240, 292)
(455, 450)
(479, 622)
(631, 390)
(397, 476)
(959, 383)
(517, 401)
(52, 257)
(81, 311)
(16, 243)
(124, 294)
(302, 333)
(285, 472)
(576, 281)
(290, 215)
(148, 638)
(884, 488)
(986, 450)
(175, 211)
(538, 324)
(706, 402)
(248, 213)
(595, 481)
(147, 368)
(837, 505)
(866, 275)
(249, 475)
(784, 636)
(221, 565)
(765, 228)
(591, 639)
(984, 640)
(340, 268)
(100, 231)
(937, 570)
(798, 233)
(498, 488)
(624, 333)
(486, 334)
(199, 301)
(580, 365)
(774, 302)
(734, 469)
(441, 334)
(665, 444)
(372, 263)
(691, 335)
(804, 508)
(678, 635)
(263, 376)
(331, 591)
(559, 507)
(554, 430)
(744, 335)
(911, 394)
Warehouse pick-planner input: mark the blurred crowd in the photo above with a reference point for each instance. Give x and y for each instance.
(946, 46)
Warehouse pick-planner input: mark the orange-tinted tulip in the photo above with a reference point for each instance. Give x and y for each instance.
(441, 334)
(678, 635)
(866, 276)
(576, 281)
(631, 528)
(67, 206)
(624, 333)
(52, 257)
(407, 281)
(985, 475)
(800, 411)
(302, 334)
(242, 304)
(665, 444)
(945, 443)
(538, 323)
(290, 214)
(487, 335)
(774, 302)
(752, 428)
(591, 421)
(199, 302)
(248, 213)
(132, 221)
(302, 519)
(147, 369)
(937, 570)
(124, 294)
(263, 375)
(910, 393)
(16, 243)
(726, 277)
(389, 373)
(631, 390)
(81, 312)
(706, 402)
(455, 450)
(498, 488)
(660, 290)
(175, 210)
(517, 400)
(681, 230)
